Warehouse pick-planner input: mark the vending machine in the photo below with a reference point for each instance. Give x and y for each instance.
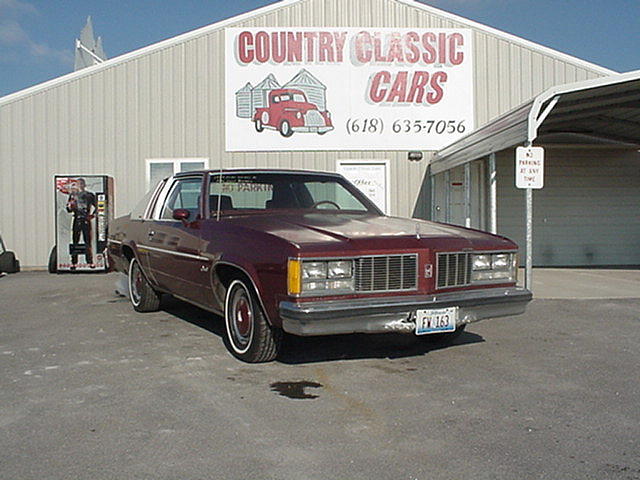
(84, 207)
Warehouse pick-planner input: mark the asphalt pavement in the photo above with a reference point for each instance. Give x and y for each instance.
(89, 389)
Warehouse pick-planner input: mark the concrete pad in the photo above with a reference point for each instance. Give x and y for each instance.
(584, 283)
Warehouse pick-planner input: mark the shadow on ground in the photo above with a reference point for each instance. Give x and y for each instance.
(299, 350)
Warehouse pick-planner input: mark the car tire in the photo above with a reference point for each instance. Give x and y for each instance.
(143, 297)
(250, 338)
(53, 260)
(443, 339)
(259, 125)
(285, 128)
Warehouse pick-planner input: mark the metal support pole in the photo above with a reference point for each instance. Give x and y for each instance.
(528, 279)
(447, 196)
(493, 198)
(432, 179)
(467, 195)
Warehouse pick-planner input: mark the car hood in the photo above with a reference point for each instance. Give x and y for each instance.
(328, 231)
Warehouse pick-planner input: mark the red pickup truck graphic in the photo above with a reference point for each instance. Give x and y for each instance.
(289, 111)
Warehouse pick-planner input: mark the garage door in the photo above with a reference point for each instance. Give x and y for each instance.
(588, 214)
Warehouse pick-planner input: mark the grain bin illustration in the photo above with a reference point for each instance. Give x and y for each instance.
(314, 89)
(299, 106)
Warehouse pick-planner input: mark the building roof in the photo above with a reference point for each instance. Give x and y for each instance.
(602, 110)
(277, 5)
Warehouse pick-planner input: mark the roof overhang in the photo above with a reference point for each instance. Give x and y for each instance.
(603, 110)
(271, 7)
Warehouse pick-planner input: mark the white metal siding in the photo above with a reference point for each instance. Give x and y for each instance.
(170, 103)
(588, 212)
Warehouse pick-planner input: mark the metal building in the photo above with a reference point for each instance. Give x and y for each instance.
(171, 106)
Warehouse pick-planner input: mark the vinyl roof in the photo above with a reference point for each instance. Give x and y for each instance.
(281, 4)
(601, 111)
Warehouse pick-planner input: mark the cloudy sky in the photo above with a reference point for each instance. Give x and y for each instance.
(37, 36)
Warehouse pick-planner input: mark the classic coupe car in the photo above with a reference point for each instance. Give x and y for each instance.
(307, 253)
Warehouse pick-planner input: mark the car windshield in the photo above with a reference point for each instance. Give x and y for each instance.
(296, 97)
(276, 191)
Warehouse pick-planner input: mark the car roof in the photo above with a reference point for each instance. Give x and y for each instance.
(259, 170)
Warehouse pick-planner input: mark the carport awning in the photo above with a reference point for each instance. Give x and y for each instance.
(604, 110)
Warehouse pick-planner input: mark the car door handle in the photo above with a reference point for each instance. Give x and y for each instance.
(151, 233)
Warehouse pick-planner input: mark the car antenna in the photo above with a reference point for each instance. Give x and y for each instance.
(219, 193)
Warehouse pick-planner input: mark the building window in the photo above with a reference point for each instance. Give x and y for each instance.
(159, 168)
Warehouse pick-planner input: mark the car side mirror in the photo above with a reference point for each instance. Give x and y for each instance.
(181, 214)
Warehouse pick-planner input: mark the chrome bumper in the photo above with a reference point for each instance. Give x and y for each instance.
(311, 129)
(397, 314)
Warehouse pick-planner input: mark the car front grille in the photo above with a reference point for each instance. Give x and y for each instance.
(313, 118)
(386, 273)
(454, 269)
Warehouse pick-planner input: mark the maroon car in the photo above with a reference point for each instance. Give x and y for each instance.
(289, 111)
(308, 254)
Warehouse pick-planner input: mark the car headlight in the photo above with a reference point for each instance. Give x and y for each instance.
(315, 277)
(298, 115)
(481, 262)
(340, 269)
(314, 270)
(494, 268)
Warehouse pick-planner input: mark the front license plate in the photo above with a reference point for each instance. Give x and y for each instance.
(436, 321)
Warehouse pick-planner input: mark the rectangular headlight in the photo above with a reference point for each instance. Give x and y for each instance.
(330, 277)
(501, 261)
(494, 268)
(481, 262)
(340, 269)
(314, 270)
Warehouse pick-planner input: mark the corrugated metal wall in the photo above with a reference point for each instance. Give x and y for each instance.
(170, 103)
(588, 212)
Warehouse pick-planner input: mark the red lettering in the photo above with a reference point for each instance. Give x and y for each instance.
(416, 92)
(340, 39)
(294, 47)
(376, 93)
(377, 49)
(245, 54)
(395, 49)
(436, 94)
(413, 54)
(262, 47)
(456, 57)
(325, 48)
(363, 47)
(398, 91)
(310, 37)
(429, 56)
(442, 48)
(278, 47)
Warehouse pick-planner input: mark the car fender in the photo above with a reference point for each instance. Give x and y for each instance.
(252, 274)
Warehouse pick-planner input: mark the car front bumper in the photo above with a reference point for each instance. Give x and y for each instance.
(397, 314)
(312, 129)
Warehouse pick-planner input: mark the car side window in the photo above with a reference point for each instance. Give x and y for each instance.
(184, 193)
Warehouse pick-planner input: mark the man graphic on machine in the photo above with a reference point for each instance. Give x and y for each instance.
(82, 203)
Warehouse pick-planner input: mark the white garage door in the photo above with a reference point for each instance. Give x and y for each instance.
(588, 212)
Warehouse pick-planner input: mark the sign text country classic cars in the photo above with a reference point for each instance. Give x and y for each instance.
(347, 88)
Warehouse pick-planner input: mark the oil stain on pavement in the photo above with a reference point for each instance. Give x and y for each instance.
(295, 390)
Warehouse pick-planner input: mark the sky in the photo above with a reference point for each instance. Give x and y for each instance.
(37, 36)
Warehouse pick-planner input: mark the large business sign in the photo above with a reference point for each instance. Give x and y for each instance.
(347, 88)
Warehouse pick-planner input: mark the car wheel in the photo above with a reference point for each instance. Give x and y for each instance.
(143, 297)
(442, 339)
(259, 125)
(53, 260)
(250, 338)
(285, 129)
